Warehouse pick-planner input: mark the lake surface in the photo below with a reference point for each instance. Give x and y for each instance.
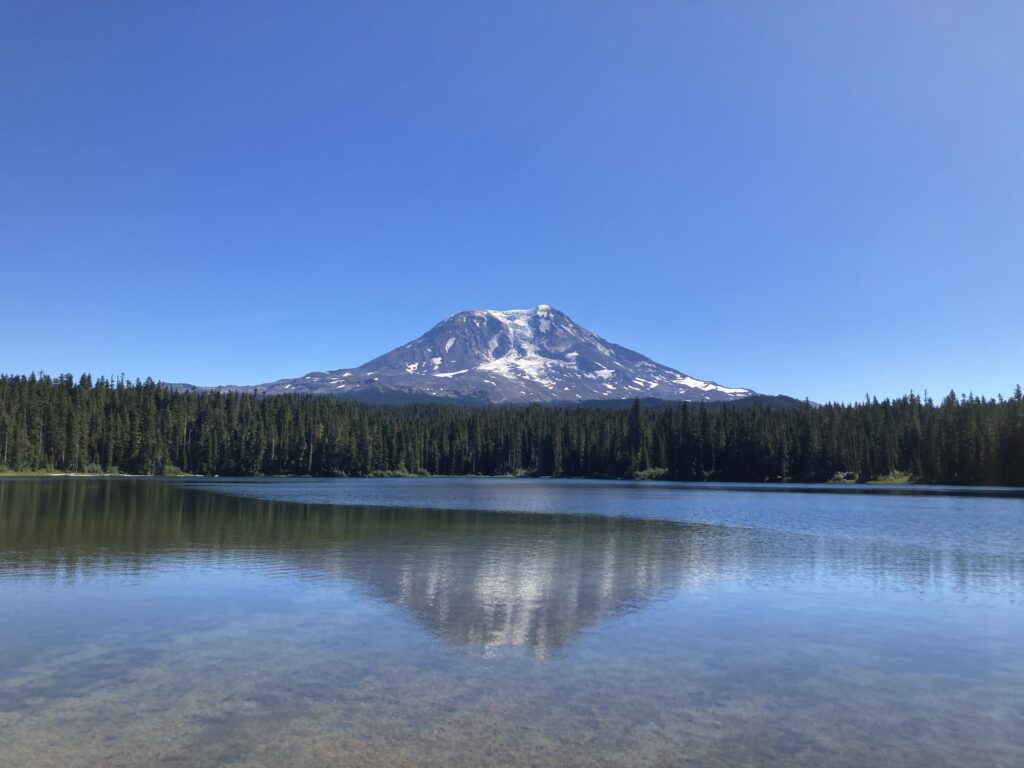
(432, 622)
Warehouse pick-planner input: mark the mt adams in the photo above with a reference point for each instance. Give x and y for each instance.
(514, 355)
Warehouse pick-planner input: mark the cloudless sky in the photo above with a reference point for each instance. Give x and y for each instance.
(816, 199)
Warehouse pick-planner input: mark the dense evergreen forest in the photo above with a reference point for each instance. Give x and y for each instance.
(141, 427)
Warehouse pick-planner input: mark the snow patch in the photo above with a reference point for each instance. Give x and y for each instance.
(707, 386)
(689, 381)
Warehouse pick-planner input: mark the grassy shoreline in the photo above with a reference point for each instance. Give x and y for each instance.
(54, 473)
(901, 479)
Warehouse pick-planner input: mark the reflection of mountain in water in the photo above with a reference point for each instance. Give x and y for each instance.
(490, 579)
(481, 580)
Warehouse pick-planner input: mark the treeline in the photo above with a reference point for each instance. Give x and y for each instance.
(137, 427)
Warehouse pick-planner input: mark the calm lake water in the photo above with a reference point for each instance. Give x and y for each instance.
(509, 623)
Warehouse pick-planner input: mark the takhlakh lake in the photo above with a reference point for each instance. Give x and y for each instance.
(466, 622)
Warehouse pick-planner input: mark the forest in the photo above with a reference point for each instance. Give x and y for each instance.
(62, 424)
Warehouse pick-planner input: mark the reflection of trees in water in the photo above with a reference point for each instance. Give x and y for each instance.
(480, 579)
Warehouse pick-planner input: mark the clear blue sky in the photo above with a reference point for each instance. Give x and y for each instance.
(818, 199)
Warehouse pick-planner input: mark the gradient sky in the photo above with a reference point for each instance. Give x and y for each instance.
(817, 199)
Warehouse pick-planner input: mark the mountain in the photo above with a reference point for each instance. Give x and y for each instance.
(517, 355)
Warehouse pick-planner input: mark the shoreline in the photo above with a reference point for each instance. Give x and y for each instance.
(899, 485)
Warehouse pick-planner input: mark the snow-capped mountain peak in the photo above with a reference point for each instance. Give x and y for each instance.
(537, 354)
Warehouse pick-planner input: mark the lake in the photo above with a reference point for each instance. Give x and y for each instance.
(473, 622)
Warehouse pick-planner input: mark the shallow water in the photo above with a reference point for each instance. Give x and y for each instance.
(489, 622)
